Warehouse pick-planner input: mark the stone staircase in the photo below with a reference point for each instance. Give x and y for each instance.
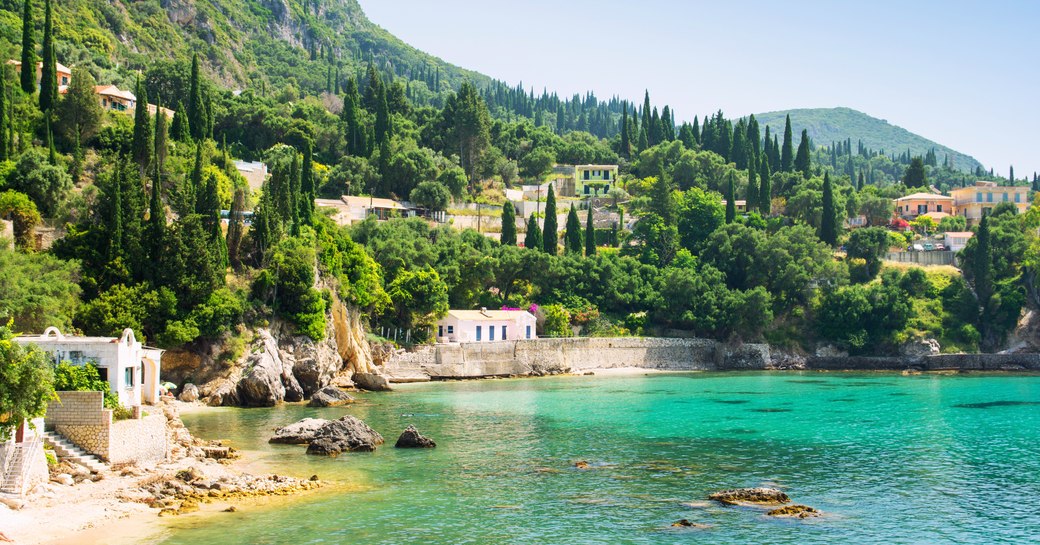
(64, 448)
(13, 479)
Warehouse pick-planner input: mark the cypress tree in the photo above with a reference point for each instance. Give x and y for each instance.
(696, 130)
(1011, 175)
(52, 153)
(802, 161)
(508, 237)
(28, 77)
(49, 70)
(533, 238)
(982, 264)
(382, 127)
(197, 125)
(644, 140)
(828, 223)
(645, 115)
(751, 199)
(307, 190)
(731, 204)
(235, 230)
(351, 117)
(156, 221)
(626, 143)
(573, 235)
(765, 189)
(179, 129)
(590, 231)
(787, 152)
(4, 120)
(115, 234)
(197, 190)
(295, 194)
(142, 144)
(550, 235)
(160, 148)
(859, 182)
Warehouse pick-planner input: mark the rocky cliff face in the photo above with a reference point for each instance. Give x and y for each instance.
(277, 365)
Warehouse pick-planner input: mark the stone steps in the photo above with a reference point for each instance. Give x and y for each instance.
(12, 479)
(66, 449)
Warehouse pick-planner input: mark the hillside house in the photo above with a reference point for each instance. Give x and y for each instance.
(974, 202)
(919, 204)
(739, 204)
(131, 369)
(115, 99)
(468, 326)
(956, 240)
(593, 180)
(63, 73)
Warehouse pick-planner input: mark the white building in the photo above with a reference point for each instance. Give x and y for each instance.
(132, 370)
(957, 240)
(469, 326)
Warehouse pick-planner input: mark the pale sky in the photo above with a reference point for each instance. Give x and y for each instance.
(964, 74)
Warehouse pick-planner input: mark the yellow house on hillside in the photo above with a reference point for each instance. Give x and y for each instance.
(974, 202)
(591, 180)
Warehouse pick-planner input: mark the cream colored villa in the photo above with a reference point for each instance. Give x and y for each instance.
(480, 326)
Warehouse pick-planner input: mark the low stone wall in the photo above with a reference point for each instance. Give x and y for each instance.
(82, 418)
(140, 441)
(942, 362)
(547, 356)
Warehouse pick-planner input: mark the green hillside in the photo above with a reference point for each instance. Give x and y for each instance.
(243, 43)
(826, 125)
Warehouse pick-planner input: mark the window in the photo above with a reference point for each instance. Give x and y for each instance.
(1005, 196)
(1018, 197)
(504, 336)
(922, 208)
(938, 208)
(451, 330)
(606, 174)
(586, 190)
(440, 328)
(528, 332)
(978, 196)
(103, 373)
(478, 333)
(128, 376)
(989, 197)
(587, 174)
(491, 332)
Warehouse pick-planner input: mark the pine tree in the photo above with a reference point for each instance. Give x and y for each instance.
(49, 69)
(765, 188)
(197, 124)
(550, 235)
(573, 235)
(731, 203)
(802, 161)
(787, 152)
(142, 144)
(829, 221)
(533, 239)
(508, 237)
(590, 231)
(28, 77)
(179, 129)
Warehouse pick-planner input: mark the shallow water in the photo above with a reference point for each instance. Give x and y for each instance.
(889, 459)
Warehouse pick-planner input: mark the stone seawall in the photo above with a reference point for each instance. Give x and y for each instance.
(572, 355)
(942, 362)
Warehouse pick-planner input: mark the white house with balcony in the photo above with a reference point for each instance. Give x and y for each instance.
(131, 369)
(480, 326)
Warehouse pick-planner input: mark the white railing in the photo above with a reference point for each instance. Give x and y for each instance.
(14, 478)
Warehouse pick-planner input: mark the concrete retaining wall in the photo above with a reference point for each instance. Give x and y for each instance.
(547, 356)
(139, 441)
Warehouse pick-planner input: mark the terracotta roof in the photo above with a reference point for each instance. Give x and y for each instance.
(113, 91)
(925, 197)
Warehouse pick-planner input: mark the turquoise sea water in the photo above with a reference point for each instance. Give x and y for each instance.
(889, 459)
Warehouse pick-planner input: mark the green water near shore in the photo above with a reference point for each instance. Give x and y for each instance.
(889, 459)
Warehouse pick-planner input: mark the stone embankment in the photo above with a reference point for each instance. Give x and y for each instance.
(538, 357)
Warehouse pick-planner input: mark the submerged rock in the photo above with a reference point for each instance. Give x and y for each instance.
(298, 433)
(581, 464)
(683, 523)
(795, 511)
(348, 434)
(411, 438)
(330, 396)
(751, 496)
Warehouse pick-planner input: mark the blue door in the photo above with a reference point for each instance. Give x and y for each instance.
(528, 332)
(478, 333)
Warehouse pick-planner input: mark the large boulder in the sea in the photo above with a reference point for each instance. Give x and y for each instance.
(794, 511)
(314, 363)
(411, 438)
(298, 433)
(330, 396)
(348, 434)
(751, 496)
(261, 382)
(372, 382)
(189, 394)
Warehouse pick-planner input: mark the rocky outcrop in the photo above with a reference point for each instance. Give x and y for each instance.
(372, 382)
(411, 438)
(189, 394)
(920, 348)
(330, 396)
(750, 496)
(794, 511)
(261, 383)
(298, 433)
(348, 434)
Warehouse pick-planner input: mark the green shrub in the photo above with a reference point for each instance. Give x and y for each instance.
(83, 378)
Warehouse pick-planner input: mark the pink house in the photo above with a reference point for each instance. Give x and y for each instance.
(478, 326)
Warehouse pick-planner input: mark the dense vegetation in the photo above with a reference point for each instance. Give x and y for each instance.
(333, 113)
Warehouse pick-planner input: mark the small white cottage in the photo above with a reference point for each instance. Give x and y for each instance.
(132, 370)
(478, 326)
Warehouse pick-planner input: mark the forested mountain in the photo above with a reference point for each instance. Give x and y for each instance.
(828, 125)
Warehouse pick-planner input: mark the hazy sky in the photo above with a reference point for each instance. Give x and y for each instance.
(964, 74)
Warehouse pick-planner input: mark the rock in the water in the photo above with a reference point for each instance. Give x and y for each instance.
(411, 438)
(299, 433)
(330, 396)
(581, 464)
(751, 496)
(189, 394)
(795, 511)
(261, 383)
(348, 434)
(683, 523)
(372, 382)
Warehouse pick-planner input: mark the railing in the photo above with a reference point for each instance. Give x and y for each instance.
(14, 478)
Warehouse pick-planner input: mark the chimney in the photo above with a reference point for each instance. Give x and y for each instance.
(483, 310)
